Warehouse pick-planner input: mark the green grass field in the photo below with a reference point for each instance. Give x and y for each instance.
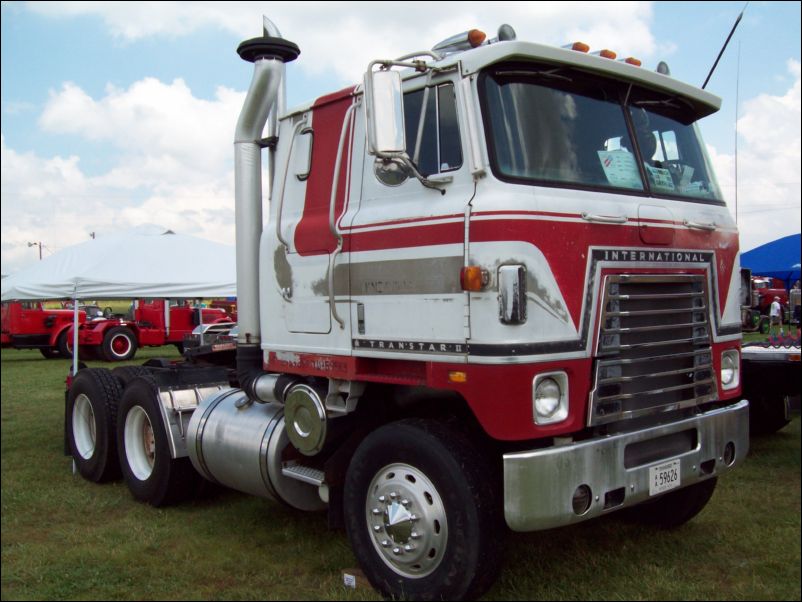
(64, 538)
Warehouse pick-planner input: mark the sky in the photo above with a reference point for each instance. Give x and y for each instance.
(122, 114)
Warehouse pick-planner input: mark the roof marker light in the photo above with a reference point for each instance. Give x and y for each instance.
(578, 46)
(476, 37)
(631, 60)
(606, 54)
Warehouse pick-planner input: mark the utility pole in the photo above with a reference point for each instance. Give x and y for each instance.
(37, 244)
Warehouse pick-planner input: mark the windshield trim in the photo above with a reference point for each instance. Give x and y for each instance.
(645, 192)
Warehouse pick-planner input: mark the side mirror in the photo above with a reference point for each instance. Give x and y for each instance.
(384, 109)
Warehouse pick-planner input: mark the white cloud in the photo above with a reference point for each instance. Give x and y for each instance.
(172, 152)
(769, 159)
(166, 133)
(173, 167)
(343, 38)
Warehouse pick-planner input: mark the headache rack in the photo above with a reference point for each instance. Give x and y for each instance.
(654, 352)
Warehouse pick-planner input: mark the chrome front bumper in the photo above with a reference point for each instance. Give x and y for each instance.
(539, 485)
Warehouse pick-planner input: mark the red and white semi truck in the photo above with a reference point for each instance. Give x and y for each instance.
(498, 288)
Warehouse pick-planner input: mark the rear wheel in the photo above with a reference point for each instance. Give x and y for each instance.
(92, 412)
(119, 344)
(150, 471)
(421, 513)
(49, 353)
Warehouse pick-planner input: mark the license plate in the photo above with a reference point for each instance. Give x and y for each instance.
(664, 477)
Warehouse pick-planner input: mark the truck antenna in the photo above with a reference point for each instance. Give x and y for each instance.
(723, 48)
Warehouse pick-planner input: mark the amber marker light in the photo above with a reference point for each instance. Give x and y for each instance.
(580, 47)
(607, 54)
(476, 37)
(458, 377)
(472, 278)
(631, 60)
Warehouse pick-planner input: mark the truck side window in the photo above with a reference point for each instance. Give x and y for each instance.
(440, 148)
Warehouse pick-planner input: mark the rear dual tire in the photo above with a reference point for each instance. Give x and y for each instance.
(91, 421)
(153, 476)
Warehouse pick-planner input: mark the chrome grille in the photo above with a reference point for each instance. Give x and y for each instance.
(654, 351)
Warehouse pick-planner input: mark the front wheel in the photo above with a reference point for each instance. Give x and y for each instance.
(421, 513)
(64, 345)
(119, 344)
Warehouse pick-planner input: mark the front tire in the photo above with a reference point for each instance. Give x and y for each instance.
(151, 473)
(119, 344)
(421, 513)
(64, 345)
(91, 416)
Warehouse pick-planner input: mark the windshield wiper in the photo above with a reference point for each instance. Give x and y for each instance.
(550, 74)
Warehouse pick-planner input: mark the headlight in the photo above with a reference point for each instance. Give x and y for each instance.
(730, 373)
(550, 397)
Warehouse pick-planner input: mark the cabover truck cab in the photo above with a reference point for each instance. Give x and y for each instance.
(29, 325)
(151, 322)
(498, 286)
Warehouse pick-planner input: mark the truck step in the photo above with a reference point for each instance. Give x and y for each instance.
(307, 474)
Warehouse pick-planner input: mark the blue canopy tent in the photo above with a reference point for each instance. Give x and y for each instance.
(776, 259)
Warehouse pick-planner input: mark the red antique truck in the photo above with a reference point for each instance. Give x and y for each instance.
(29, 325)
(149, 322)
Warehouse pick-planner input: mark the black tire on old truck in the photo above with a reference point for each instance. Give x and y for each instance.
(64, 345)
(151, 473)
(119, 344)
(91, 424)
(422, 512)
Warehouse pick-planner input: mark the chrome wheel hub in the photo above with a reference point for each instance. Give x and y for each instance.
(407, 520)
(84, 427)
(140, 443)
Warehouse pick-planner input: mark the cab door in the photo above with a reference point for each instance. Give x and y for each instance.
(305, 248)
(407, 241)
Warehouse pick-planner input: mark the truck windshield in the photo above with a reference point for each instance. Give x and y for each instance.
(556, 126)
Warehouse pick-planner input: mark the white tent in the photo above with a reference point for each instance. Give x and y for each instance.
(137, 263)
(144, 262)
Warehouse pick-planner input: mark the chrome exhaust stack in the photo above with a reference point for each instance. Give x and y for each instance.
(268, 55)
